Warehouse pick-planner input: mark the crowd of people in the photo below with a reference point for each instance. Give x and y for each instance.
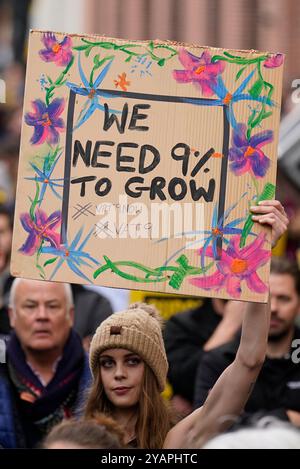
(97, 381)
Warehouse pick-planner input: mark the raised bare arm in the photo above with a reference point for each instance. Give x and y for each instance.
(230, 393)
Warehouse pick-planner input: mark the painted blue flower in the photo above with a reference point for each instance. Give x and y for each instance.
(74, 256)
(90, 90)
(229, 99)
(218, 231)
(224, 98)
(44, 176)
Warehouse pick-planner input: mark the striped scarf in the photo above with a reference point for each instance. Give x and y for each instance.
(45, 406)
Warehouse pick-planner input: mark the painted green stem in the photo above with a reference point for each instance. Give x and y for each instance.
(37, 264)
(126, 48)
(97, 64)
(114, 267)
(175, 280)
(58, 82)
(35, 201)
(256, 121)
(238, 60)
(267, 193)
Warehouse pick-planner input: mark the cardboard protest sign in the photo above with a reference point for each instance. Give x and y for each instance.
(139, 161)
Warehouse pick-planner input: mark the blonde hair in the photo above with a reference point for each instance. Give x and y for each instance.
(99, 432)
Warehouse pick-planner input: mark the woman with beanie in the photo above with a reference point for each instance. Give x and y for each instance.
(129, 366)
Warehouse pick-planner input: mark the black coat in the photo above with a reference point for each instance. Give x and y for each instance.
(184, 335)
(91, 308)
(277, 388)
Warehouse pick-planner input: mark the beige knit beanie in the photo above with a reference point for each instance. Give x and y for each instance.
(137, 329)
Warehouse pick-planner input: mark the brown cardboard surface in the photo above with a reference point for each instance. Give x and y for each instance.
(139, 161)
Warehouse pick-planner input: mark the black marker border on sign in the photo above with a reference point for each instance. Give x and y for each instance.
(143, 97)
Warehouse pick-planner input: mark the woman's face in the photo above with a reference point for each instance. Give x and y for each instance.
(122, 374)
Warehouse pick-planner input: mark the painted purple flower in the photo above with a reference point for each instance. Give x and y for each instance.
(199, 70)
(274, 61)
(40, 229)
(246, 154)
(58, 52)
(236, 265)
(46, 121)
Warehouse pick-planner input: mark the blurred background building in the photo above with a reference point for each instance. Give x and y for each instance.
(266, 25)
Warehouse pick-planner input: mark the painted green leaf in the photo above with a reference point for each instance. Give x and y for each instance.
(96, 59)
(251, 117)
(231, 56)
(87, 51)
(107, 45)
(161, 62)
(267, 114)
(81, 47)
(50, 261)
(268, 193)
(256, 88)
(239, 73)
(109, 57)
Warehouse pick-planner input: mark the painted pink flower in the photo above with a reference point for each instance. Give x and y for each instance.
(40, 229)
(58, 52)
(274, 61)
(199, 70)
(46, 121)
(246, 155)
(236, 265)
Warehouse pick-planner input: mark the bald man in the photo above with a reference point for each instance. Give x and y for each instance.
(46, 369)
